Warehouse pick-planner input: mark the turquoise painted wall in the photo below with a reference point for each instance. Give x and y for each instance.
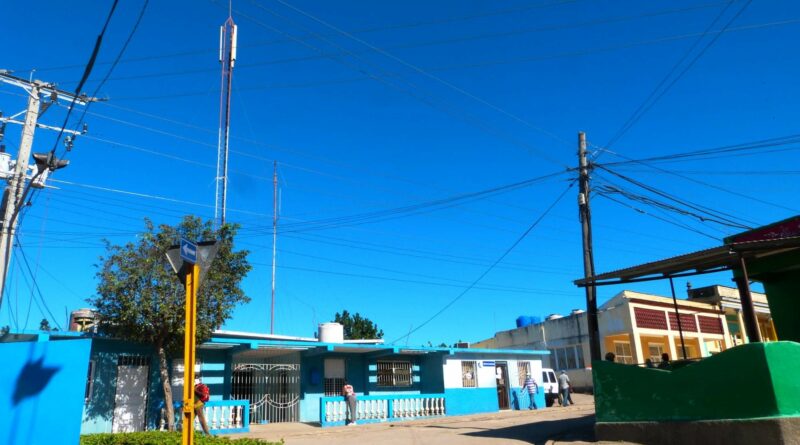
(361, 372)
(521, 400)
(99, 411)
(44, 387)
(311, 393)
(460, 401)
(216, 373)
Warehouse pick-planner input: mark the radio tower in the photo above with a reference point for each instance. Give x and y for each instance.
(227, 57)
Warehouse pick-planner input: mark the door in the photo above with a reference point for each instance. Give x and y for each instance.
(501, 376)
(130, 399)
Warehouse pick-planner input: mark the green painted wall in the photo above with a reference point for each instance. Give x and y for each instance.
(749, 381)
(783, 295)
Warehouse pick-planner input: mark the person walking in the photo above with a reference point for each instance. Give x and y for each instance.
(563, 386)
(533, 388)
(350, 399)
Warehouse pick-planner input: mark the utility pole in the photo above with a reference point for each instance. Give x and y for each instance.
(274, 240)
(588, 256)
(15, 192)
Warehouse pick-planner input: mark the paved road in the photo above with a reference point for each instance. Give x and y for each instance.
(574, 424)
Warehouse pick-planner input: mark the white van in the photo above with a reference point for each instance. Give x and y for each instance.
(549, 386)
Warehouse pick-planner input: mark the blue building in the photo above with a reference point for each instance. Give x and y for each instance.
(106, 385)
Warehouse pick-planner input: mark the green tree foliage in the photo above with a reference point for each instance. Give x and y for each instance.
(139, 297)
(44, 325)
(357, 327)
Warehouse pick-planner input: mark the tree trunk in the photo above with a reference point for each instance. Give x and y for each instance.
(162, 366)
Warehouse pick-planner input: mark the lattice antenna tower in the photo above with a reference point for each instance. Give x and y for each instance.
(227, 58)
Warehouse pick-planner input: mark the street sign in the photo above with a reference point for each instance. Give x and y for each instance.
(188, 251)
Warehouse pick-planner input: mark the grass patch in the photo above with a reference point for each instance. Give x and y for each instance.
(164, 438)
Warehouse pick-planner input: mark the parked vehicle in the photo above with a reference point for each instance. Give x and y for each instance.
(549, 386)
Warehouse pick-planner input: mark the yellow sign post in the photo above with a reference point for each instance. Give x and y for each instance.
(190, 333)
(190, 261)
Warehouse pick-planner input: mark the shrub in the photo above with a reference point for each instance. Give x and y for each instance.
(164, 438)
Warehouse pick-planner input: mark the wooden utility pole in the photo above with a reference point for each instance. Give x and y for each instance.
(588, 256)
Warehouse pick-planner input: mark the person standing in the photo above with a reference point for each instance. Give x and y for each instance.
(350, 399)
(563, 386)
(533, 388)
(664, 361)
(201, 396)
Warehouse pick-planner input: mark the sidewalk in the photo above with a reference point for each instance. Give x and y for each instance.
(556, 425)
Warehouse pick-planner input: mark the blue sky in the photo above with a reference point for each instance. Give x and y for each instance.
(376, 106)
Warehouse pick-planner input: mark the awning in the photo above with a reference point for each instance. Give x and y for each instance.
(716, 259)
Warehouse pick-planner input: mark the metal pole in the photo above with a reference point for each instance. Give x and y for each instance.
(677, 317)
(190, 331)
(748, 310)
(17, 184)
(274, 240)
(588, 256)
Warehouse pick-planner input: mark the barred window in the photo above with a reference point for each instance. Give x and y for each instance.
(523, 369)
(333, 386)
(394, 373)
(469, 378)
(334, 376)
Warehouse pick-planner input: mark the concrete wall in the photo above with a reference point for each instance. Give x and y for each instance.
(44, 390)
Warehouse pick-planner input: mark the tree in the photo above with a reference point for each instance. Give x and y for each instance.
(357, 327)
(44, 325)
(140, 299)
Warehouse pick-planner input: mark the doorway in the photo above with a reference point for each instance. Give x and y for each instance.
(501, 376)
(130, 399)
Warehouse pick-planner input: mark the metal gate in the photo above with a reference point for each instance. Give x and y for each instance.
(273, 390)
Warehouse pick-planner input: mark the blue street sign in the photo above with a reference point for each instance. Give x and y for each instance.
(188, 251)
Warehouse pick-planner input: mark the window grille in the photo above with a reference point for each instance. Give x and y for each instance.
(623, 352)
(89, 383)
(133, 360)
(394, 373)
(469, 378)
(333, 386)
(523, 369)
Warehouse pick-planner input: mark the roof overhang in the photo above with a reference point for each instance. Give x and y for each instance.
(712, 260)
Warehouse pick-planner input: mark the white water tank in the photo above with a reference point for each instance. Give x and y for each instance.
(331, 333)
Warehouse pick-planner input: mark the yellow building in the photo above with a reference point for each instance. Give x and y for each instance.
(636, 327)
(727, 298)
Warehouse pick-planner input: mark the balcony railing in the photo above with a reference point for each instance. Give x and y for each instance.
(383, 408)
(222, 416)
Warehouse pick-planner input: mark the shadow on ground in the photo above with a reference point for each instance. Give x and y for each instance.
(579, 429)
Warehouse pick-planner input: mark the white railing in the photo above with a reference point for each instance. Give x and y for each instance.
(222, 416)
(382, 408)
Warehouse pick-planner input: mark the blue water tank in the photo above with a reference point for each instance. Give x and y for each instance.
(523, 320)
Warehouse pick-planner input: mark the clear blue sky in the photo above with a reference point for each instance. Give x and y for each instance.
(373, 106)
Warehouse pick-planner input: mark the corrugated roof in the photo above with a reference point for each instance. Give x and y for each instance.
(715, 259)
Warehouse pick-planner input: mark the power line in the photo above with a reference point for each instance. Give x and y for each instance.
(658, 92)
(116, 60)
(490, 268)
(86, 72)
(426, 74)
(714, 215)
(410, 89)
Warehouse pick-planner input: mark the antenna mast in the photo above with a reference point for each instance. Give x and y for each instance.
(274, 240)
(227, 58)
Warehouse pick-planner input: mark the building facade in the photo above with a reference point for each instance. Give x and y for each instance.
(638, 327)
(115, 386)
